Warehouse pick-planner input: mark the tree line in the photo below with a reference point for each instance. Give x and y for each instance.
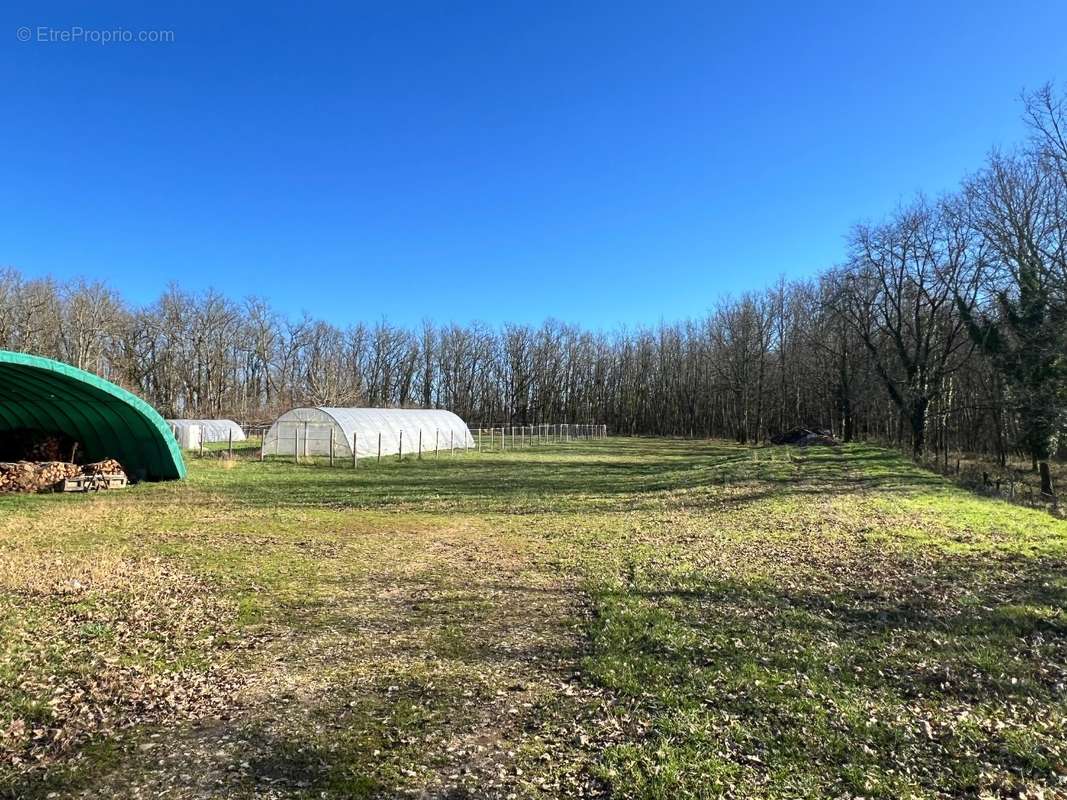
(943, 330)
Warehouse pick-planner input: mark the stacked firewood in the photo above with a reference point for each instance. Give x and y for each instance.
(32, 445)
(108, 466)
(34, 476)
(43, 476)
(50, 449)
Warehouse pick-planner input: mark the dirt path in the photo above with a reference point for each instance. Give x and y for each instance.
(454, 674)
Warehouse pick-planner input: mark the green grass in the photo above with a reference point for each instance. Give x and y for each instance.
(639, 618)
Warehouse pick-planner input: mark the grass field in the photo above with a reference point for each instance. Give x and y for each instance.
(626, 618)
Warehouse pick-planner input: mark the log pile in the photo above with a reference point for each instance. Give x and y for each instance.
(33, 445)
(43, 476)
(108, 466)
(34, 476)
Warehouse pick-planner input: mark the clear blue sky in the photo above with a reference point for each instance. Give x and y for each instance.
(599, 163)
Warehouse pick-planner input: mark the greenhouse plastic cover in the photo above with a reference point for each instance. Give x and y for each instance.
(311, 431)
(212, 430)
(108, 421)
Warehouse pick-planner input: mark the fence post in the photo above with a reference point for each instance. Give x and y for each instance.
(305, 438)
(436, 443)
(503, 445)
(379, 447)
(331, 446)
(296, 445)
(230, 456)
(452, 443)
(400, 451)
(355, 451)
(420, 444)
(479, 440)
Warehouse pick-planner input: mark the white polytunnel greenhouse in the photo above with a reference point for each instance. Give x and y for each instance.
(191, 432)
(320, 431)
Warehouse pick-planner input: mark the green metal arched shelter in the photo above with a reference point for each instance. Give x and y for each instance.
(109, 422)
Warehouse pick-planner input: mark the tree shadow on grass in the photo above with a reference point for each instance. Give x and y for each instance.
(708, 476)
(973, 649)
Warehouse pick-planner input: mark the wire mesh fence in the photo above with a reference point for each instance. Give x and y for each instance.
(504, 437)
(319, 443)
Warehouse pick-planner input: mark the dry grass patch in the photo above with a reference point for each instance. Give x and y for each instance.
(92, 646)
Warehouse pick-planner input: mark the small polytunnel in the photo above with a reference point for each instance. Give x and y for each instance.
(211, 430)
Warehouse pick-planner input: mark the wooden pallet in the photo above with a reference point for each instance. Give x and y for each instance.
(92, 483)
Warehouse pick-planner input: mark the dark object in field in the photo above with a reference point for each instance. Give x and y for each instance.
(804, 437)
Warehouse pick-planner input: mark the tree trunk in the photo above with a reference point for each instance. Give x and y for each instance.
(917, 418)
(1046, 479)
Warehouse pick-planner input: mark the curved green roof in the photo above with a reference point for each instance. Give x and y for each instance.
(108, 421)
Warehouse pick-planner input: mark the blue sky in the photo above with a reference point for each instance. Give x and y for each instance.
(602, 163)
